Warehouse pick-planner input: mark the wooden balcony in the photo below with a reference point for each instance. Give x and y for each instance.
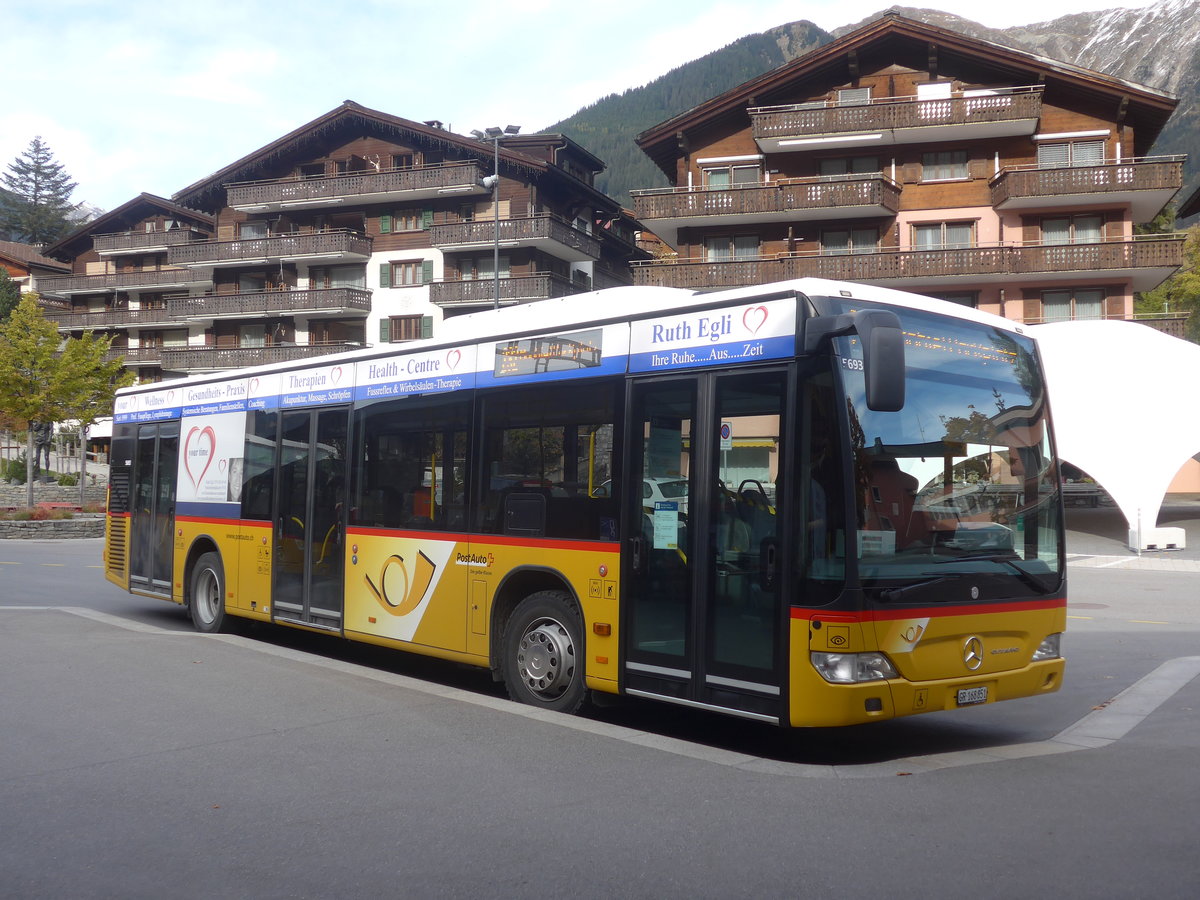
(316, 246)
(136, 356)
(548, 233)
(400, 185)
(140, 280)
(667, 210)
(130, 242)
(321, 301)
(208, 359)
(898, 120)
(516, 289)
(120, 317)
(1143, 262)
(1146, 184)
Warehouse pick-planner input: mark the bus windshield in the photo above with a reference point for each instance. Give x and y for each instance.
(962, 482)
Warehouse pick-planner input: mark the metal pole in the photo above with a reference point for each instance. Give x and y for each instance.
(496, 221)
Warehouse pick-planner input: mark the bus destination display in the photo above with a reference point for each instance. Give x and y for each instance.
(549, 353)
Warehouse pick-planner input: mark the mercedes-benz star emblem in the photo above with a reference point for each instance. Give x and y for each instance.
(973, 653)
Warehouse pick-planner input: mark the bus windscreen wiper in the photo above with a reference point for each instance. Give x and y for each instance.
(890, 595)
(1005, 559)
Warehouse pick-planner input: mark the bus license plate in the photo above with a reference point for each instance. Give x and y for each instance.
(970, 696)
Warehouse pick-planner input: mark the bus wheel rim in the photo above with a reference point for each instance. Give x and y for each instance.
(546, 658)
(206, 596)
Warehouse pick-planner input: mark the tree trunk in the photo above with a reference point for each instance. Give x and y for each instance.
(82, 465)
(29, 466)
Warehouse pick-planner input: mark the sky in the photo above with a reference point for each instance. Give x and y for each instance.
(151, 96)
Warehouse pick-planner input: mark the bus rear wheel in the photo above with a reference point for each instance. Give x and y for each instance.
(207, 605)
(543, 652)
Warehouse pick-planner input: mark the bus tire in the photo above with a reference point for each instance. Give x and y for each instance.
(544, 654)
(207, 604)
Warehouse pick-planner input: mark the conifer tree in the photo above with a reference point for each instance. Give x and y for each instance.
(38, 210)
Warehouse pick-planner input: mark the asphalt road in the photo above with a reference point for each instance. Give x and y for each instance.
(139, 759)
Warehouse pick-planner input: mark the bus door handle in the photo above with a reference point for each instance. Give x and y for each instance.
(637, 546)
(770, 563)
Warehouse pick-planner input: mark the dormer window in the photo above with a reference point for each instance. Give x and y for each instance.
(854, 96)
(1070, 153)
(731, 175)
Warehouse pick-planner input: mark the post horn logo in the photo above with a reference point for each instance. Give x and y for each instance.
(396, 592)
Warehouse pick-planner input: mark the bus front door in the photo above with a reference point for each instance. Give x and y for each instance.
(703, 615)
(152, 513)
(309, 527)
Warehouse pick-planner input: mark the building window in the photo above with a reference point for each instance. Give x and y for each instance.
(312, 170)
(337, 277)
(1062, 306)
(395, 329)
(251, 230)
(853, 240)
(852, 165)
(405, 273)
(405, 220)
(731, 176)
(726, 247)
(480, 267)
(402, 160)
(1073, 153)
(854, 96)
(1072, 230)
(943, 236)
(944, 165)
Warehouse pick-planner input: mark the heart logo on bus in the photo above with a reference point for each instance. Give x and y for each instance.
(198, 452)
(336, 374)
(221, 465)
(754, 318)
(253, 386)
(453, 358)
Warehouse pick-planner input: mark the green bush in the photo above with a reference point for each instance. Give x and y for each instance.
(66, 479)
(14, 470)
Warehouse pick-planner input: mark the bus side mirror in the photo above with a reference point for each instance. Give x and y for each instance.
(883, 351)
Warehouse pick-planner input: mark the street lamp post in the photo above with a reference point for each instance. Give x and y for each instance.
(494, 134)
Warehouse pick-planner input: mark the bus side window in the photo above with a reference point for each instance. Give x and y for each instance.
(554, 443)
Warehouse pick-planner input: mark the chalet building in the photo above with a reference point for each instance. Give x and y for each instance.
(910, 156)
(26, 265)
(357, 228)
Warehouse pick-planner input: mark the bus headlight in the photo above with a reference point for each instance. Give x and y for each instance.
(1049, 648)
(852, 668)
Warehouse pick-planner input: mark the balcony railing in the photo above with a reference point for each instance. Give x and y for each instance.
(988, 112)
(1025, 186)
(514, 289)
(1154, 254)
(142, 241)
(136, 356)
(232, 306)
(142, 279)
(210, 358)
(317, 244)
(121, 317)
(559, 238)
(426, 181)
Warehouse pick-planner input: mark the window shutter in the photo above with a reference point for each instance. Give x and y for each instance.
(426, 219)
(385, 275)
(385, 331)
(385, 223)
(426, 271)
(426, 326)
(1053, 155)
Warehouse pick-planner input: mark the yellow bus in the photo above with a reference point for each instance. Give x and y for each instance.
(809, 503)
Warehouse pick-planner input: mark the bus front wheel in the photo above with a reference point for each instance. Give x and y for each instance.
(208, 594)
(543, 652)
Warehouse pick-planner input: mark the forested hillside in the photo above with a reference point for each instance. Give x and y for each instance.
(609, 126)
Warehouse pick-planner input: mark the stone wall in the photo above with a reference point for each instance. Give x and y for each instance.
(15, 495)
(84, 525)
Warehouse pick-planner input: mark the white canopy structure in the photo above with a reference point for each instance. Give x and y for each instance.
(1124, 412)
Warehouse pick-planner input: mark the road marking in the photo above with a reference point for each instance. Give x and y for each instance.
(1081, 617)
(53, 565)
(1099, 728)
(1147, 622)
